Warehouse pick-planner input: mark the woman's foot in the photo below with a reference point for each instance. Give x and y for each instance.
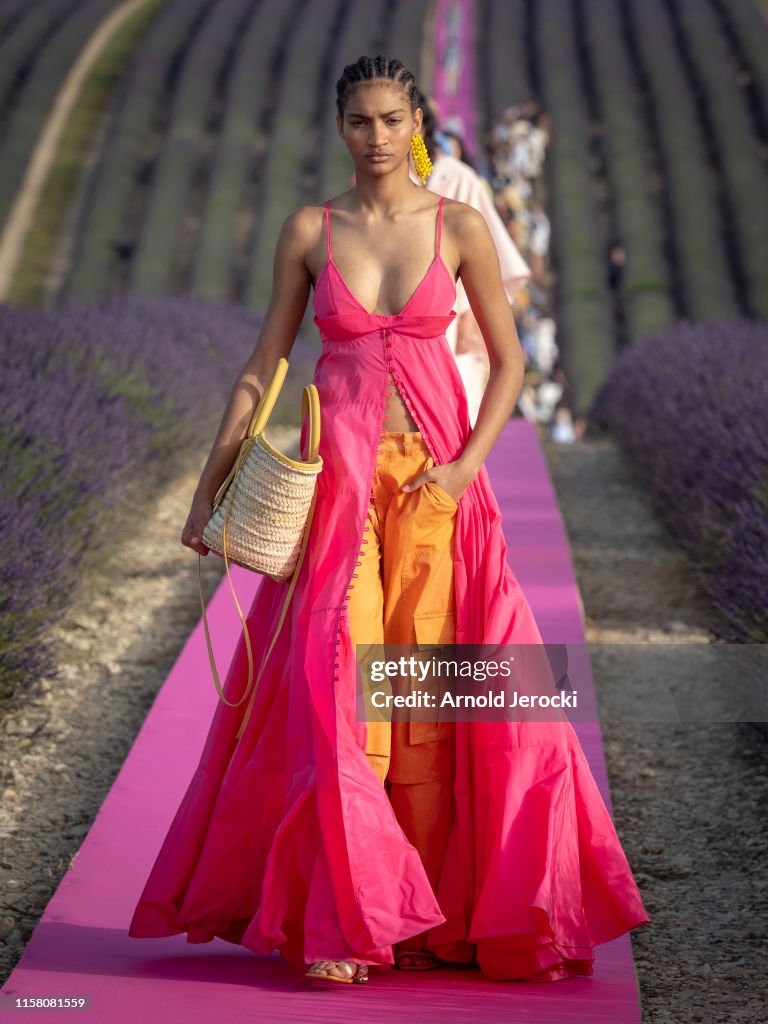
(416, 959)
(337, 971)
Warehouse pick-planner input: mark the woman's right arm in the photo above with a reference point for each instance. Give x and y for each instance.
(291, 283)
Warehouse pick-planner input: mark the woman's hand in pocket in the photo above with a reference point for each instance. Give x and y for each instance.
(452, 477)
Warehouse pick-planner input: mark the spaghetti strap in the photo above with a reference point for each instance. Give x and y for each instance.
(328, 227)
(439, 224)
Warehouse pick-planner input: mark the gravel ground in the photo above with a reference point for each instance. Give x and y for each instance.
(687, 798)
(63, 740)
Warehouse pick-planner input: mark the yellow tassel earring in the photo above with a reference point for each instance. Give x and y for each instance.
(421, 158)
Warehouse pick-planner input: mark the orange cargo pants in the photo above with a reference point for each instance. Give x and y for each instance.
(404, 595)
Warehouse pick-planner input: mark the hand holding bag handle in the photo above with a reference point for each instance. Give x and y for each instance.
(311, 405)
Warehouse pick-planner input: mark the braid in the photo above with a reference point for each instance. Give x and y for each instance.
(370, 68)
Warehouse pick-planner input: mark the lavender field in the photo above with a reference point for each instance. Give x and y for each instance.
(689, 407)
(101, 406)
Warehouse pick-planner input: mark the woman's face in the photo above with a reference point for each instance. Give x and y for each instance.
(377, 127)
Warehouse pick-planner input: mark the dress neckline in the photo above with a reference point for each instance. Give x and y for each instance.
(385, 316)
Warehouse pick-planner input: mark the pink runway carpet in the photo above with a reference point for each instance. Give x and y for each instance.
(81, 946)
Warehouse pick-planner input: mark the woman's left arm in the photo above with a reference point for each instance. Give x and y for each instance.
(480, 273)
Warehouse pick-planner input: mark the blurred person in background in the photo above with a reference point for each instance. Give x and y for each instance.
(453, 178)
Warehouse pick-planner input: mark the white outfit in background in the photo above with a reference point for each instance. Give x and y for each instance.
(454, 179)
(545, 350)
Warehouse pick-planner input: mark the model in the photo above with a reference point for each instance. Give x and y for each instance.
(345, 844)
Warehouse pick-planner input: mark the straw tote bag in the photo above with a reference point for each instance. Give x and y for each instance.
(262, 513)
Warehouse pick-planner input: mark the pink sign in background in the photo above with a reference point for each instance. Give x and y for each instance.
(454, 68)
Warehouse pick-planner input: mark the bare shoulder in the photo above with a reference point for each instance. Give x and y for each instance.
(301, 227)
(468, 231)
(463, 221)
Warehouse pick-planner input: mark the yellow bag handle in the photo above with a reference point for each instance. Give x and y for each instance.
(310, 404)
(267, 401)
(246, 635)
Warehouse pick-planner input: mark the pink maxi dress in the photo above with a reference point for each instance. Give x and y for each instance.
(286, 839)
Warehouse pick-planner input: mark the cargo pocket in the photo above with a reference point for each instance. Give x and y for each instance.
(427, 540)
(439, 495)
(434, 631)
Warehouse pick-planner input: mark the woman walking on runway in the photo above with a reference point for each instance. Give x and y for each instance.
(345, 844)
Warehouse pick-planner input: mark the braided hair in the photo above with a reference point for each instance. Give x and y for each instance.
(368, 69)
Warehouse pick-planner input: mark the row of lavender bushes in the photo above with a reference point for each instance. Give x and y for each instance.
(688, 405)
(96, 400)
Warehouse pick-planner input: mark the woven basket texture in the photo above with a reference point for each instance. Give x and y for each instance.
(269, 503)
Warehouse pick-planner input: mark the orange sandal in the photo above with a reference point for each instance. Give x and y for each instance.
(356, 974)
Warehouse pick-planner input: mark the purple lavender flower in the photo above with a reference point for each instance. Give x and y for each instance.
(688, 406)
(93, 399)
